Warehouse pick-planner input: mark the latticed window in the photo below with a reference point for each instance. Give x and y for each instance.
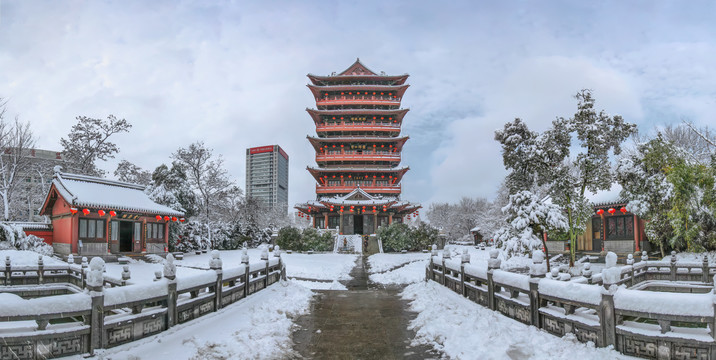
(620, 227)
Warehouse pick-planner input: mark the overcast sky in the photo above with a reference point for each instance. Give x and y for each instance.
(233, 74)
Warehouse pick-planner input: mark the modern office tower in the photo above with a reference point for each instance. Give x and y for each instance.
(267, 175)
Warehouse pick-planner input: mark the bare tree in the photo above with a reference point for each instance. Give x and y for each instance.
(206, 174)
(128, 172)
(88, 141)
(16, 139)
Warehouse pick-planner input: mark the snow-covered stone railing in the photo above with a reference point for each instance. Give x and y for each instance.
(640, 323)
(41, 273)
(647, 270)
(104, 316)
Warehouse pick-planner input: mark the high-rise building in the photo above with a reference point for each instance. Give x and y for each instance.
(358, 146)
(267, 175)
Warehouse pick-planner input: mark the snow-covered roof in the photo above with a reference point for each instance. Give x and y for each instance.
(90, 191)
(476, 228)
(28, 225)
(359, 197)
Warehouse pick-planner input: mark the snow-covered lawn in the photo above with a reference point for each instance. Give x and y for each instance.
(258, 327)
(409, 268)
(383, 262)
(462, 329)
(25, 258)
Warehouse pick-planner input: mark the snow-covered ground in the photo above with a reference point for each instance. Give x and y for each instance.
(258, 327)
(23, 258)
(462, 329)
(403, 269)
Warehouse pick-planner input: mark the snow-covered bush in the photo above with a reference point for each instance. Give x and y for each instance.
(528, 218)
(313, 240)
(289, 238)
(12, 237)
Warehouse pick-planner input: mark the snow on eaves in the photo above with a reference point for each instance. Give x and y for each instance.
(87, 191)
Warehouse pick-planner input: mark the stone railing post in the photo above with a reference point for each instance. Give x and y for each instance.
(442, 279)
(644, 256)
(282, 266)
(216, 264)
(705, 270)
(492, 264)
(713, 321)
(587, 273)
(8, 270)
(429, 271)
(83, 271)
(40, 270)
(265, 257)
(630, 262)
(534, 301)
(126, 274)
(673, 266)
(95, 284)
(245, 261)
(170, 273)
(537, 270)
(607, 317)
(464, 259)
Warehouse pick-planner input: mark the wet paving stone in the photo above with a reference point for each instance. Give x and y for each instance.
(365, 322)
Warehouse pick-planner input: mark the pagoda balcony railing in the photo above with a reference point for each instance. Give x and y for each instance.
(367, 126)
(384, 189)
(366, 156)
(353, 99)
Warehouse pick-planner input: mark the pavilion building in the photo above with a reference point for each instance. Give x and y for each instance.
(358, 148)
(95, 216)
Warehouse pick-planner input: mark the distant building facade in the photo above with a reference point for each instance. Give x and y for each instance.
(267, 175)
(32, 183)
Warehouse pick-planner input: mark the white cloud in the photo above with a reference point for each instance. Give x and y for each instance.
(233, 74)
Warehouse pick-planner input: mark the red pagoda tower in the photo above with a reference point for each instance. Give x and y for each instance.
(358, 151)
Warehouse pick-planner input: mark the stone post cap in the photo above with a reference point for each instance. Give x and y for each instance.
(537, 256)
(446, 253)
(465, 258)
(170, 270)
(244, 256)
(215, 263)
(264, 254)
(95, 278)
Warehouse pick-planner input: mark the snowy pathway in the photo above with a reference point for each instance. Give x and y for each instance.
(364, 322)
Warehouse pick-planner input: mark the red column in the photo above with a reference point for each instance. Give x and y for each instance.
(636, 233)
(325, 220)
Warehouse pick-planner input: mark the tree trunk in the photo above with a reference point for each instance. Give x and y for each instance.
(546, 251)
(6, 205)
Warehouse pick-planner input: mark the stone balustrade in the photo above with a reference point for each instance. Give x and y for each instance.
(648, 324)
(107, 315)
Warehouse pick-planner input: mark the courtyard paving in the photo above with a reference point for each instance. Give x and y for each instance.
(365, 322)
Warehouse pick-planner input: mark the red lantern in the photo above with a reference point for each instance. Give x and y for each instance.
(73, 210)
(86, 211)
(159, 218)
(174, 218)
(101, 212)
(112, 213)
(600, 211)
(623, 210)
(611, 210)
(182, 220)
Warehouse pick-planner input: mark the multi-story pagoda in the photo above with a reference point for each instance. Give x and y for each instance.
(358, 147)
